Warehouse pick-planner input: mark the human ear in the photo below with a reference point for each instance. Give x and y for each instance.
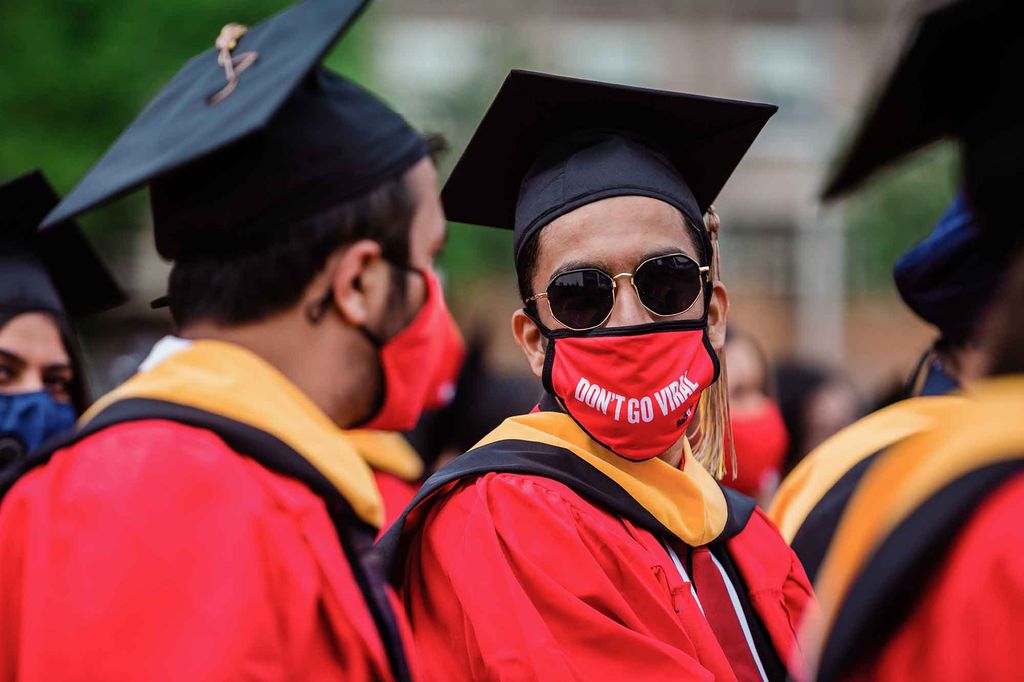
(359, 283)
(529, 339)
(718, 312)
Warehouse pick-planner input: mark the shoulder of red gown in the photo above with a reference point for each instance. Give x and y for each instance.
(151, 532)
(396, 494)
(542, 585)
(968, 625)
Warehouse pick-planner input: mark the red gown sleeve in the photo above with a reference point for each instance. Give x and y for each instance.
(396, 493)
(125, 560)
(777, 586)
(968, 626)
(515, 578)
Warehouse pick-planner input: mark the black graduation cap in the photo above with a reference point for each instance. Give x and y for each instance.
(959, 76)
(549, 144)
(57, 271)
(253, 135)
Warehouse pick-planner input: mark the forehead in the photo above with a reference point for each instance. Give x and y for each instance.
(35, 339)
(614, 234)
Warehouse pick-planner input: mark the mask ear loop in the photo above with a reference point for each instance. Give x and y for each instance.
(714, 436)
(317, 310)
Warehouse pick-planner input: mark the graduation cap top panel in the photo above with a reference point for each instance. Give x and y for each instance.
(696, 144)
(194, 115)
(57, 271)
(958, 75)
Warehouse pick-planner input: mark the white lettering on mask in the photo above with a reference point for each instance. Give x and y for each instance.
(597, 398)
(669, 399)
(633, 411)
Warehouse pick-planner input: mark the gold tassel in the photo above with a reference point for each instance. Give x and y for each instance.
(714, 428)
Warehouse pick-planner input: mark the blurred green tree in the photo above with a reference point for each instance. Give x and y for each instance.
(894, 211)
(76, 72)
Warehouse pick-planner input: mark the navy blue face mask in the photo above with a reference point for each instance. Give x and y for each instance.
(937, 380)
(28, 419)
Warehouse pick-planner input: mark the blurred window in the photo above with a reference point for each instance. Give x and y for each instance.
(758, 260)
(617, 51)
(787, 66)
(420, 58)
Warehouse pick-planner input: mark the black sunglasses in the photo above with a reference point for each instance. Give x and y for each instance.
(583, 299)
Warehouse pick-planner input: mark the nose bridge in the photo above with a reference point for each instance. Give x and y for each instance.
(628, 310)
(29, 380)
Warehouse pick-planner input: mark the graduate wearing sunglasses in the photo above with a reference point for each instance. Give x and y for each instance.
(590, 539)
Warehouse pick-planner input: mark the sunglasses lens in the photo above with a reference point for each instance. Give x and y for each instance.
(582, 298)
(668, 285)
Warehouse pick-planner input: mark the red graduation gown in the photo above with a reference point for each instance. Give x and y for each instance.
(968, 625)
(925, 578)
(396, 493)
(397, 467)
(152, 550)
(811, 500)
(518, 577)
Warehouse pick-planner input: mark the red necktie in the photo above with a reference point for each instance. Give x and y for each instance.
(721, 615)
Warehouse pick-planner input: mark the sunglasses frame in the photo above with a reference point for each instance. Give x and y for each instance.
(702, 270)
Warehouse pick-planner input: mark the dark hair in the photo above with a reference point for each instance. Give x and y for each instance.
(797, 382)
(251, 285)
(526, 263)
(1005, 334)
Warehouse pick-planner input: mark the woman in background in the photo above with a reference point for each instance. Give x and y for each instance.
(816, 402)
(45, 281)
(759, 433)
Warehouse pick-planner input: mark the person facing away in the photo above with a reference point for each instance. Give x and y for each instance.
(397, 467)
(950, 278)
(947, 280)
(46, 282)
(208, 519)
(924, 578)
(921, 579)
(585, 540)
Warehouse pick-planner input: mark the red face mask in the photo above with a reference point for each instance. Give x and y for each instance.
(412, 363)
(761, 439)
(632, 389)
(442, 386)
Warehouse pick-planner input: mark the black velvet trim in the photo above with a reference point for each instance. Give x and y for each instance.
(812, 540)
(740, 509)
(518, 457)
(538, 459)
(890, 584)
(774, 668)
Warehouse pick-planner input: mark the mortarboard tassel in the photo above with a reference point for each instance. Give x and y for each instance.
(233, 65)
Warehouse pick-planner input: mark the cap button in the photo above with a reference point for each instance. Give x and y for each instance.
(230, 35)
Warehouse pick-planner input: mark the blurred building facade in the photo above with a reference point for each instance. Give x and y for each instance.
(784, 258)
